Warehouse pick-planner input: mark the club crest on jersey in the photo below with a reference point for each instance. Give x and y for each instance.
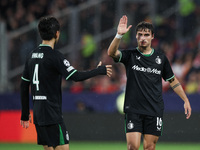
(130, 125)
(158, 60)
(66, 63)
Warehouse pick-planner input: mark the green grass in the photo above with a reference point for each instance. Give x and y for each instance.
(102, 146)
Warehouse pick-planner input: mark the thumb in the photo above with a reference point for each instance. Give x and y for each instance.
(100, 63)
(186, 111)
(129, 27)
(30, 119)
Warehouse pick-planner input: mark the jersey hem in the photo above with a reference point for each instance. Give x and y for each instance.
(25, 79)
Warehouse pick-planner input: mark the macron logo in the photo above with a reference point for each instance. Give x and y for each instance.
(149, 70)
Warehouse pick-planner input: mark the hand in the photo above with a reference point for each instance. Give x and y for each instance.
(122, 27)
(25, 124)
(108, 69)
(188, 109)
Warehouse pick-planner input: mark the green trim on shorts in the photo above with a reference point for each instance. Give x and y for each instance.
(162, 129)
(62, 141)
(125, 122)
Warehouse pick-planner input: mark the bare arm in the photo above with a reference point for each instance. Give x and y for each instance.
(176, 86)
(121, 30)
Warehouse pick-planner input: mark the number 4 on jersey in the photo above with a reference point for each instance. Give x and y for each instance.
(35, 77)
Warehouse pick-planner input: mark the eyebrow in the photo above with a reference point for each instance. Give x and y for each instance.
(148, 33)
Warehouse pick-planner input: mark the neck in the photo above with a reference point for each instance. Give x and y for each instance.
(50, 43)
(145, 50)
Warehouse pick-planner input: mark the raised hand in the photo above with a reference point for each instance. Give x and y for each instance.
(122, 27)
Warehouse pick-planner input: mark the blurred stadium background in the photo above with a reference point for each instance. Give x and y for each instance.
(92, 109)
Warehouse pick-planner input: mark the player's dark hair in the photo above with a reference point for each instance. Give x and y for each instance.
(48, 26)
(143, 26)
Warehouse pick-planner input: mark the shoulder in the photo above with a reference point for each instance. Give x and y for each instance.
(29, 56)
(57, 53)
(160, 53)
(129, 51)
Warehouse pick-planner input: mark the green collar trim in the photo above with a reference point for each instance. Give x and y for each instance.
(147, 55)
(44, 45)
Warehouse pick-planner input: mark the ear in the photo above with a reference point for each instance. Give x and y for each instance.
(57, 34)
(152, 36)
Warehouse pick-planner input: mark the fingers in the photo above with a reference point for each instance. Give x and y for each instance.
(188, 113)
(109, 70)
(30, 119)
(122, 27)
(188, 110)
(108, 66)
(24, 124)
(129, 27)
(123, 20)
(109, 73)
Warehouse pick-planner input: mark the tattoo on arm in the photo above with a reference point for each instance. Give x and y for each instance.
(176, 85)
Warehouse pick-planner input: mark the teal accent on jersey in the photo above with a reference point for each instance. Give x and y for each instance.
(170, 78)
(125, 122)
(25, 79)
(147, 55)
(71, 74)
(44, 45)
(62, 141)
(120, 57)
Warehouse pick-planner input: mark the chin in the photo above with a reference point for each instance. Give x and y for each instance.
(144, 47)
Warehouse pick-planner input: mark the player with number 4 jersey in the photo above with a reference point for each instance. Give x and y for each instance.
(44, 69)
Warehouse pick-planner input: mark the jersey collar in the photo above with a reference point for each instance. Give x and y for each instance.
(147, 55)
(44, 45)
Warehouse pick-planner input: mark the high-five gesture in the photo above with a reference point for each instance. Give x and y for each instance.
(122, 27)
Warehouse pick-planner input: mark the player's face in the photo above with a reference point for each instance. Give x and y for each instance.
(144, 38)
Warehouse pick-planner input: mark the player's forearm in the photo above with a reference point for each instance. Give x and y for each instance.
(24, 92)
(80, 76)
(176, 86)
(113, 48)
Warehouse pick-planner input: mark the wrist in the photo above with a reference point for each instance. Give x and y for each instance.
(102, 70)
(118, 36)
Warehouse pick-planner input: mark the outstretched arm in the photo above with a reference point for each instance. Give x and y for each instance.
(176, 86)
(100, 70)
(121, 30)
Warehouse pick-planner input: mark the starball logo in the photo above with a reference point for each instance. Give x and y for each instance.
(149, 70)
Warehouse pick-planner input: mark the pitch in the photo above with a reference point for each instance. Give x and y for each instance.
(102, 146)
